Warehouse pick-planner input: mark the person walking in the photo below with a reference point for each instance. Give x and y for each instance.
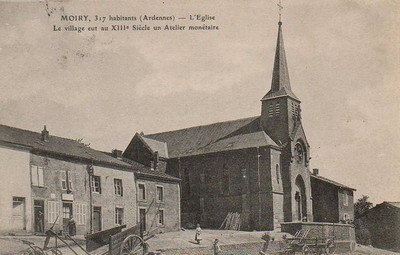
(197, 237)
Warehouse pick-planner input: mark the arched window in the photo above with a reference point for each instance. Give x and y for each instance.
(278, 173)
(300, 152)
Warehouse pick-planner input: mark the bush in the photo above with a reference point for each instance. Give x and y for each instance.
(363, 236)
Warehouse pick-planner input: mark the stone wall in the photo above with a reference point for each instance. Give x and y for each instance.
(215, 184)
(170, 205)
(325, 201)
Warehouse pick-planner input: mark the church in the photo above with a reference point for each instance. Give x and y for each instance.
(257, 166)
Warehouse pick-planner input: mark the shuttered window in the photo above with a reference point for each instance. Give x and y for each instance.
(80, 214)
(53, 211)
(37, 176)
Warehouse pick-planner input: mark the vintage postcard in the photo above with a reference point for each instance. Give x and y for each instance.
(199, 127)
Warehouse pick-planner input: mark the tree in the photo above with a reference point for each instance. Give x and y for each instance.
(363, 236)
(361, 206)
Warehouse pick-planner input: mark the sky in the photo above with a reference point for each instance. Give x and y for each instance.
(343, 58)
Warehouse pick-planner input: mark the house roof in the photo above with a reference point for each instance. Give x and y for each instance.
(145, 172)
(324, 179)
(221, 136)
(395, 204)
(56, 145)
(69, 148)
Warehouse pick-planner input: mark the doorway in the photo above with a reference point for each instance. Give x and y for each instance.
(96, 219)
(67, 215)
(142, 219)
(38, 216)
(18, 213)
(301, 199)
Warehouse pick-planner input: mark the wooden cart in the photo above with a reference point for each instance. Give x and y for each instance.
(108, 242)
(301, 243)
(114, 241)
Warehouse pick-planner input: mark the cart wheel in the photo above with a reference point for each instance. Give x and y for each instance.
(306, 250)
(34, 250)
(330, 247)
(56, 251)
(132, 245)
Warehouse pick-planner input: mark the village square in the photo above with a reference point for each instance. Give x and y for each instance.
(241, 186)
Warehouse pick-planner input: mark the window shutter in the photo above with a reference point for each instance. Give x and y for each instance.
(69, 180)
(49, 211)
(63, 178)
(34, 173)
(99, 185)
(59, 212)
(40, 177)
(75, 212)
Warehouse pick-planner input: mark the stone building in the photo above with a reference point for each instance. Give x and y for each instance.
(332, 201)
(158, 201)
(256, 166)
(46, 180)
(383, 224)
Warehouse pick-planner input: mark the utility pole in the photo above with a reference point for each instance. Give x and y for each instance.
(259, 188)
(90, 170)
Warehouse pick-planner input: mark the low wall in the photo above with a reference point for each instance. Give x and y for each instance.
(344, 234)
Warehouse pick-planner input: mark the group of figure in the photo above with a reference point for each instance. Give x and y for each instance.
(198, 239)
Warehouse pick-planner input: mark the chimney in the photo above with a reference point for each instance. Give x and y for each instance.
(315, 171)
(117, 154)
(45, 134)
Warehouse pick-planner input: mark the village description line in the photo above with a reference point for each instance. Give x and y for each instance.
(105, 23)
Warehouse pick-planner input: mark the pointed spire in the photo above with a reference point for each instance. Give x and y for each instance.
(280, 85)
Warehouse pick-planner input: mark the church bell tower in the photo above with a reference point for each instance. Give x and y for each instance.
(280, 106)
(281, 120)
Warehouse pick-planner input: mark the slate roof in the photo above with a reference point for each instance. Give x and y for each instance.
(154, 173)
(324, 179)
(395, 204)
(57, 145)
(155, 145)
(222, 136)
(280, 85)
(280, 93)
(69, 148)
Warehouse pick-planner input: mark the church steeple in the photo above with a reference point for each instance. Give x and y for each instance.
(280, 106)
(280, 85)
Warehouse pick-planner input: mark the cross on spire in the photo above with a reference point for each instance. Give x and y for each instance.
(280, 85)
(280, 7)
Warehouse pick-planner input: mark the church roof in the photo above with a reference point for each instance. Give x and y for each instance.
(280, 85)
(324, 179)
(222, 136)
